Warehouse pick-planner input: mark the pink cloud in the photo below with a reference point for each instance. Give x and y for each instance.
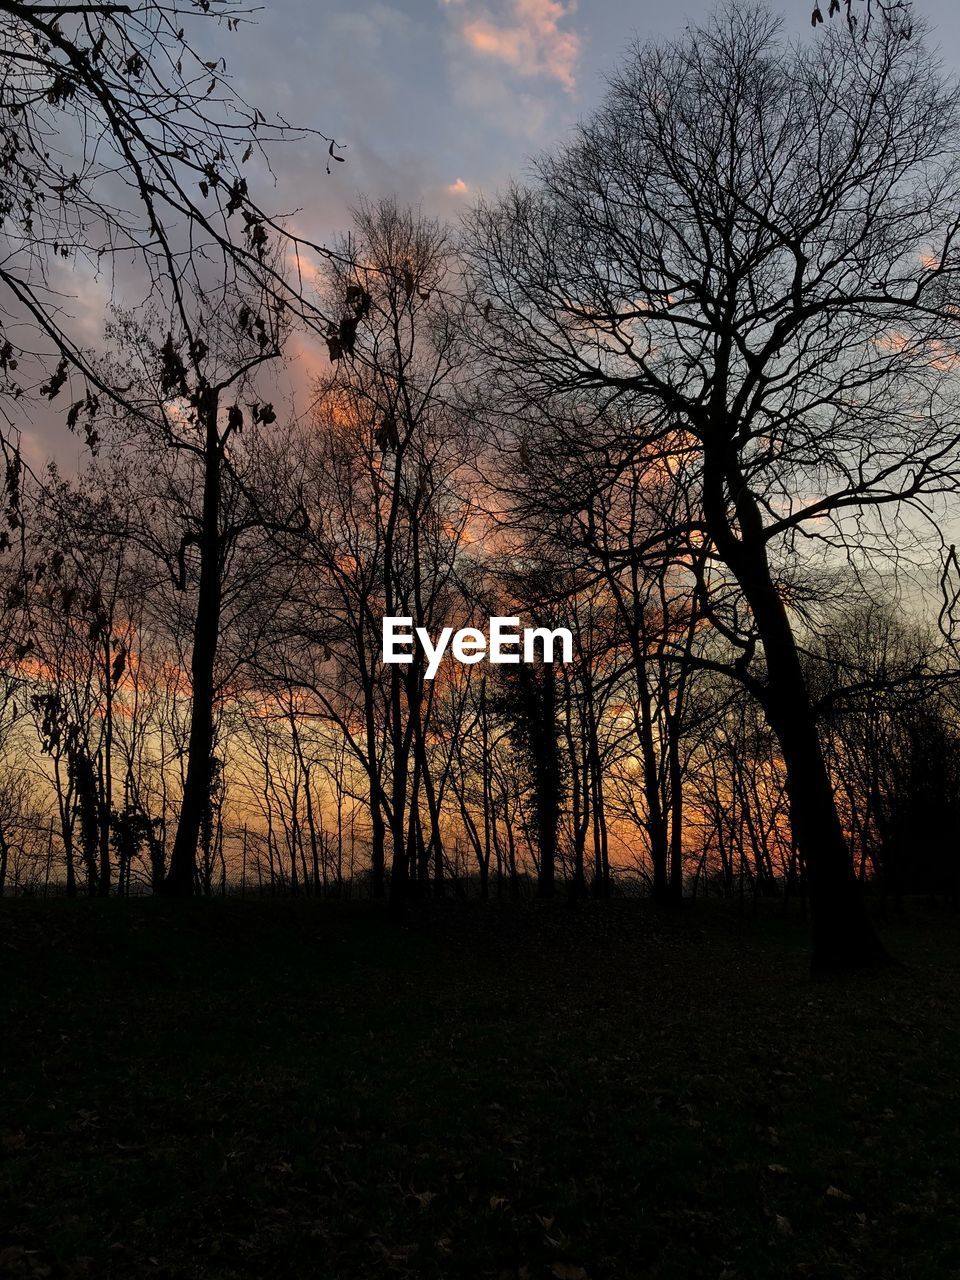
(529, 39)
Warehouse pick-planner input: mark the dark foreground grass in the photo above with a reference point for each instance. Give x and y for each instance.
(241, 1089)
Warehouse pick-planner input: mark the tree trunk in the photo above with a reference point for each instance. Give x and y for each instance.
(656, 819)
(675, 767)
(399, 867)
(378, 830)
(547, 774)
(206, 634)
(106, 766)
(843, 936)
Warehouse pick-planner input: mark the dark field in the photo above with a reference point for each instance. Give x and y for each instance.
(240, 1089)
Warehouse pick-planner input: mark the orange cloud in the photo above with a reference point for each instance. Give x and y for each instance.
(458, 188)
(529, 39)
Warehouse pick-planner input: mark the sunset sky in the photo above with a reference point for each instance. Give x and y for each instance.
(436, 100)
(432, 101)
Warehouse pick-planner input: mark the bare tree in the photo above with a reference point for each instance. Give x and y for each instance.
(122, 141)
(746, 258)
(382, 465)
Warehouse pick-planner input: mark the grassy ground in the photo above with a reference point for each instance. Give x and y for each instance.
(240, 1089)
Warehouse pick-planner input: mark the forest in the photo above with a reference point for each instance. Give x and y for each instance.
(688, 394)
(688, 390)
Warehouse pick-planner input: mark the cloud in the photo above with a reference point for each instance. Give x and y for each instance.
(527, 38)
(458, 188)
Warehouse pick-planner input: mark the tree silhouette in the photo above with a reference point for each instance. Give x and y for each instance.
(123, 157)
(742, 270)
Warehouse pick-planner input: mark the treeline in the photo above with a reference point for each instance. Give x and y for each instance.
(691, 392)
(639, 766)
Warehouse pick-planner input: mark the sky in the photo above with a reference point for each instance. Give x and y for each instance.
(437, 100)
(431, 101)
